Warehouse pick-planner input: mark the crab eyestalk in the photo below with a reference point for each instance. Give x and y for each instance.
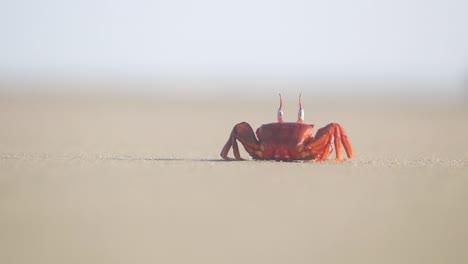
(300, 114)
(280, 110)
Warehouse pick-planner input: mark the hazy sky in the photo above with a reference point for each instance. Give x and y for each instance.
(203, 39)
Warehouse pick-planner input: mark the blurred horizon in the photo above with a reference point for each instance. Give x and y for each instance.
(368, 47)
(339, 91)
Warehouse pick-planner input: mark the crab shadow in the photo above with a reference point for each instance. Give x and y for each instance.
(160, 159)
(163, 159)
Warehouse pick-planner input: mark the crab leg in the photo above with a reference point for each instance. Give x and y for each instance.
(329, 147)
(235, 148)
(227, 147)
(245, 134)
(338, 144)
(329, 138)
(346, 144)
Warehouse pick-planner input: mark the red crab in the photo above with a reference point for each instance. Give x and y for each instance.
(288, 141)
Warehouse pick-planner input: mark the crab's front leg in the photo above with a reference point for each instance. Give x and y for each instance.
(329, 138)
(246, 136)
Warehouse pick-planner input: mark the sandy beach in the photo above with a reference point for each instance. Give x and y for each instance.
(138, 179)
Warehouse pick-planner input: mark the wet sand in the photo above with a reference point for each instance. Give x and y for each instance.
(139, 180)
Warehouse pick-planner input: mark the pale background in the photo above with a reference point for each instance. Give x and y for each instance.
(417, 44)
(113, 114)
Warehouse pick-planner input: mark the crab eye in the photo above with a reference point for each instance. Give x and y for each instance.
(300, 114)
(280, 110)
(280, 115)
